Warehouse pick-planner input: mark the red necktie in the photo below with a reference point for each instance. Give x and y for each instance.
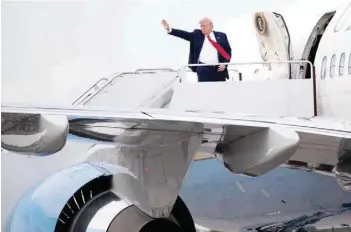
(219, 48)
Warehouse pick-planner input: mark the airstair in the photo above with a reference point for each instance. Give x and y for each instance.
(167, 88)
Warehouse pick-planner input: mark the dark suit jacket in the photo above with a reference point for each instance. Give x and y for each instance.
(196, 39)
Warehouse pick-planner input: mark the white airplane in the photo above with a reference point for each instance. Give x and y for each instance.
(121, 169)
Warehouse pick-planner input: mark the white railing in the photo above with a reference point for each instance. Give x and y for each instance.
(230, 70)
(90, 91)
(98, 87)
(183, 70)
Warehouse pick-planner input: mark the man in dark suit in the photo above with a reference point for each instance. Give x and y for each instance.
(206, 47)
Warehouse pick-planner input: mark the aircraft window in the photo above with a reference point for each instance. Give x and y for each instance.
(324, 67)
(350, 63)
(332, 65)
(342, 64)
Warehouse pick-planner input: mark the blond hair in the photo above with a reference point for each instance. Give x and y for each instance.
(206, 19)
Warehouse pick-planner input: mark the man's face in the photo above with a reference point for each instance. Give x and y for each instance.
(206, 27)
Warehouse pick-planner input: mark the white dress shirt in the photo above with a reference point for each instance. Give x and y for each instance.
(209, 54)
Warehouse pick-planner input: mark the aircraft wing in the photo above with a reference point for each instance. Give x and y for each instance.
(245, 144)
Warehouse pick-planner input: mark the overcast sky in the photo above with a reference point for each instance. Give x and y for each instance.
(53, 51)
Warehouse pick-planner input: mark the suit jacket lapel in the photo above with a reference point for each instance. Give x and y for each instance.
(219, 41)
(218, 38)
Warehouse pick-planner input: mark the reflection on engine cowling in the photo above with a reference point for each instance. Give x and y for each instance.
(343, 168)
(37, 134)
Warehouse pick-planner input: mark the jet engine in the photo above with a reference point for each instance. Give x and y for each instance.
(342, 169)
(79, 198)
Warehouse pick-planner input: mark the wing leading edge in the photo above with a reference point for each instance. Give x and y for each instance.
(245, 144)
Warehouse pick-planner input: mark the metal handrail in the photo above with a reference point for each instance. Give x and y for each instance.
(121, 75)
(82, 95)
(249, 63)
(252, 63)
(229, 69)
(154, 69)
(109, 82)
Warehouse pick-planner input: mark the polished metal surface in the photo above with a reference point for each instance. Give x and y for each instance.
(257, 153)
(33, 133)
(102, 219)
(157, 159)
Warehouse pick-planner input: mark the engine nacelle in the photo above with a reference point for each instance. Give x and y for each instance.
(78, 198)
(37, 134)
(342, 169)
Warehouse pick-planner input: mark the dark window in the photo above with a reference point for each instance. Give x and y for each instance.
(324, 67)
(332, 66)
(342, 64)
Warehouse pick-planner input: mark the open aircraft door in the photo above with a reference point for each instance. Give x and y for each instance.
(274, 42)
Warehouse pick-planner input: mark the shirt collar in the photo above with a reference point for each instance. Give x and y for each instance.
(212, 35)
